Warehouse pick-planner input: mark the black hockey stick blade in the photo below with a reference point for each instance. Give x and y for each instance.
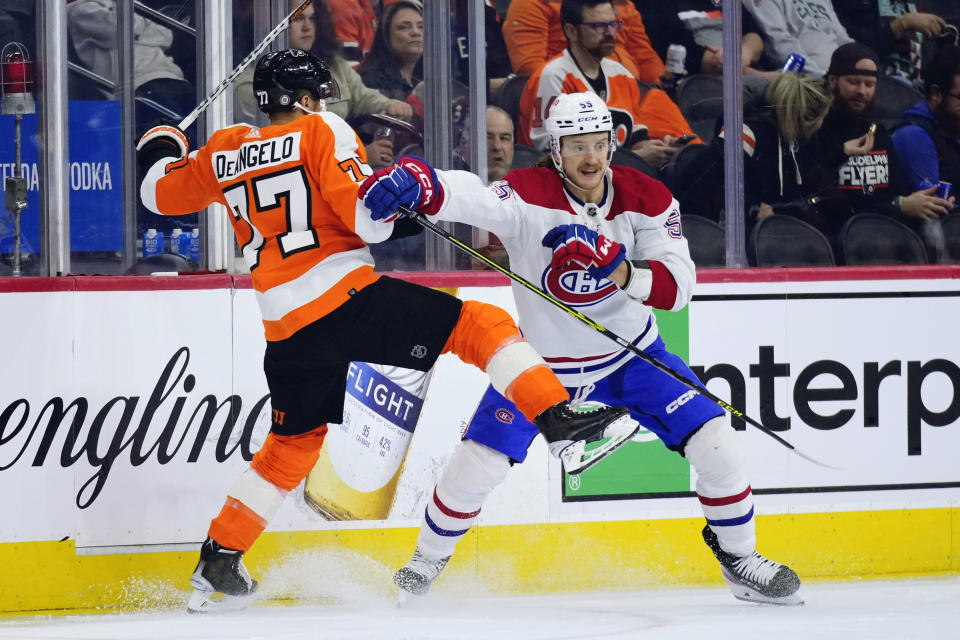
(420, 219)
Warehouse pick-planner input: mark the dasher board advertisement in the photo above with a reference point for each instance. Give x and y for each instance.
(860, 375)
(126, 415)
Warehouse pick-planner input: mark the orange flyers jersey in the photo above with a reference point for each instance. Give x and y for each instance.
(291, 193)
(630, 112)
(562, 75)
(355, 25)
(534, 34)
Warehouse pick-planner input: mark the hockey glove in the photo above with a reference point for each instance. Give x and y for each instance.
(577, 247)
(412, 183)
(387, 189)
(159, 142)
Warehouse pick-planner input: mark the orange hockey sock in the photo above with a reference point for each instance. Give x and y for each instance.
(487, 337)
(279, 466)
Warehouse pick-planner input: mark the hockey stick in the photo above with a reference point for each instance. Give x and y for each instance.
(270, 37)
(420, 219)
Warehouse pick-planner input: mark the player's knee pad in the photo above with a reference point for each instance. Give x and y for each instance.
(286, 460)
(473, 472)
(714, 451)
(481, 331)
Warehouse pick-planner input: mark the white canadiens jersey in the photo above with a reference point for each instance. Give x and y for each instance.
(636, 210)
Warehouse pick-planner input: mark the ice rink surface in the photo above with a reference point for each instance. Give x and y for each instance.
(868, 610)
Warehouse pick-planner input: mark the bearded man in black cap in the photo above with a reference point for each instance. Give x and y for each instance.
(869, 175)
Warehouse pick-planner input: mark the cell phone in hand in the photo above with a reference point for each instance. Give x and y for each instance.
(685, 139)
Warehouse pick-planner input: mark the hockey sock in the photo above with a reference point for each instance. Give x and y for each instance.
(473, 472)
(286, 460)
(722, 485)
(279, 466)
(487, 337)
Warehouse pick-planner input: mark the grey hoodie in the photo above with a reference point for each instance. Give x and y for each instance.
(92, 25)
(808, 27)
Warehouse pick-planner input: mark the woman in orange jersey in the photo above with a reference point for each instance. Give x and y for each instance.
(321, 302)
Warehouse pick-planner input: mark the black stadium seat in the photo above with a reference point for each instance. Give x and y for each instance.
(870, 238)
(707, 240)
(508, 97)
(892, 99)
(627, 158)
(700, 97)
(785, 241)
(695, 176)
(524, 156)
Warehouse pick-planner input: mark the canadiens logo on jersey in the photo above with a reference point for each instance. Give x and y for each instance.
(576, 287)
(867, 172)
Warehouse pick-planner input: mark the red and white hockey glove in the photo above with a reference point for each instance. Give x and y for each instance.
(161, 141)
(412, 183)
(578, 247)
(432, 197)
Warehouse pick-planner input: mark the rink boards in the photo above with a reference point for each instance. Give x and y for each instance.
(129, 406)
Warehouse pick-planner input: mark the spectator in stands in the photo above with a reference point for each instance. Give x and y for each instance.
(869, 176)
(809, 28)
(92, 25)
(499, 143)
(356, 99)
(892, 28)
(928, 139)
(535, 35)
(649, 124)
(783, 169)
(394, 63)
(498, 63)
(698, 26)
(354, 23)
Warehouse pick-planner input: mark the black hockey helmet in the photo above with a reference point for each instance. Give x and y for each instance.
(281, 75)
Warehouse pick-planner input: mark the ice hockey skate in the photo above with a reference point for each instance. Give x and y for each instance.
(415, 578)
(568, 430)
(754, 578)
(220, 571)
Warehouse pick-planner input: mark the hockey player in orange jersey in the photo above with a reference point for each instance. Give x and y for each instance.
(291, 190)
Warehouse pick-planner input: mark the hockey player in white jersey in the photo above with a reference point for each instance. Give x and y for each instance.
(607, 241)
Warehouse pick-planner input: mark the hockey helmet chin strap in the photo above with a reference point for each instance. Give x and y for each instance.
(323, 107)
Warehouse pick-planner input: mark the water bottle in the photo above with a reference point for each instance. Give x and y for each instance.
(152, 242)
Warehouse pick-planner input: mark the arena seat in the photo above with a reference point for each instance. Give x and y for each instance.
(508, 97)
(707, 240)
(700, 97)
(627, 158)
(893, 97)
(695, 176)
(871, 238)
(785, 241)
(524, 156)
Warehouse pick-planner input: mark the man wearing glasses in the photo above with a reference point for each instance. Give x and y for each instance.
(650, 123)
(928, 139)
(534, 34)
